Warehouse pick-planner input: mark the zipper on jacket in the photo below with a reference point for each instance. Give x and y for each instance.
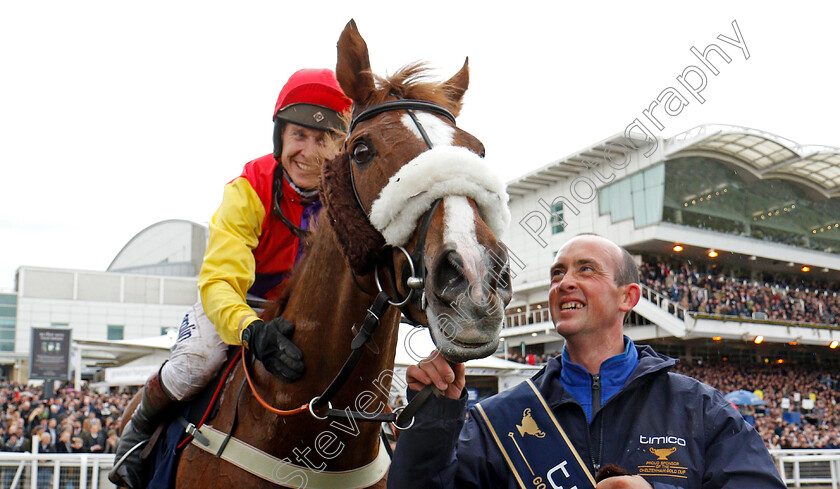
(596, 394)
(596, 406)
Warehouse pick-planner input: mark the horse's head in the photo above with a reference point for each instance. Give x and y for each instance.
(411, 179)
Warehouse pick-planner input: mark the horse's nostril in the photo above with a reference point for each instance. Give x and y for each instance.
(501, 278)
(449, 273)
(456, 262)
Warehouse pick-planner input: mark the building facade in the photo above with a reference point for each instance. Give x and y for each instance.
(762, 205)
(144, 293)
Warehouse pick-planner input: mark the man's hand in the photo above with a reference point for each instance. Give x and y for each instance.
(436, 370)
(624, 482)
(272, 345)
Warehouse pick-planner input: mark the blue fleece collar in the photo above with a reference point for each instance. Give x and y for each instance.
(614, 373)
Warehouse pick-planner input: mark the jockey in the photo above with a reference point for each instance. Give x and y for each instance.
(255, 239)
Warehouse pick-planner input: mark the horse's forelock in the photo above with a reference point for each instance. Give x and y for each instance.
(412, 82)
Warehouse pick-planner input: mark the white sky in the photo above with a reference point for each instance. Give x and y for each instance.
(116, 115)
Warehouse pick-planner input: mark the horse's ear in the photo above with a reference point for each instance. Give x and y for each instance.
(353, 66)
(457, 85)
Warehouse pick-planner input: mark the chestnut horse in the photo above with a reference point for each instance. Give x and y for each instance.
(399, 159)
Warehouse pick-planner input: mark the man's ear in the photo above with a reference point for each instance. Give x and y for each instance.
(629, 297)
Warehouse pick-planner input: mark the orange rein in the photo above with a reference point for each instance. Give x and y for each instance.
(264, 404)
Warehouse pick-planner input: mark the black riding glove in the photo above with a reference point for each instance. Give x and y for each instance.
(272, 345)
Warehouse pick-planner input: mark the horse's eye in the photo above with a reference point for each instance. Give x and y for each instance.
(361, 153)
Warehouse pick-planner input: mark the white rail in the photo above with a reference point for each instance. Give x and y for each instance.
(55, 470)
(798, 468)
(809, 467)
(663, 302)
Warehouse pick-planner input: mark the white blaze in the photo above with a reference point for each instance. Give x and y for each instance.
(439, 132)
(459, 231)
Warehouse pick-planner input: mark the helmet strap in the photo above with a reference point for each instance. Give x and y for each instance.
(277, 197)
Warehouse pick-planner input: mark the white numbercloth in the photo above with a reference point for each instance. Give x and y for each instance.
(196, 356)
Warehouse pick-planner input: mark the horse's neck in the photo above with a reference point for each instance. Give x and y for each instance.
(322, 289)
(325, 302)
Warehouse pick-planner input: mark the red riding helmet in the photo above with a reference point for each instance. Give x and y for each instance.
(312, 98)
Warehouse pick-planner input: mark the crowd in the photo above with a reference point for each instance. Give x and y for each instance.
(83, 421)
(72, 421)
(712, 292)
(530, 358)
(816, 428)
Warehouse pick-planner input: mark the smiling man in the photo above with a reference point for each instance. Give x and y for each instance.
(255, 240)
(604, 410)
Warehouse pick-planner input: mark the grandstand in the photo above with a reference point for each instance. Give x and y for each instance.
(737, 231)
(737, 235)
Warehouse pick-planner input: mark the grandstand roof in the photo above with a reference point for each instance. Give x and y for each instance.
(173, 247)
(613, 149)
(762, 154)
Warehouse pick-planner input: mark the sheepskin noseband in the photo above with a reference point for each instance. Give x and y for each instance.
(439, 172)
(360, 242)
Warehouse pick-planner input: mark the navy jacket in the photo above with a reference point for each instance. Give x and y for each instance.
(656, 409)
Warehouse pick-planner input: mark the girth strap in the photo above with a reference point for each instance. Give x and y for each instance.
(281, 472)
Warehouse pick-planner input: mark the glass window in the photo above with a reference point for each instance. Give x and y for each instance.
(115, 332)
(638, 196)
(8, 319)
(557, 222)
(710, 194)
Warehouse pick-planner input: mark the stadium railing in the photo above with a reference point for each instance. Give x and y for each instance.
(808, 467)
(55, 470)
(797, 467)
(663, 302)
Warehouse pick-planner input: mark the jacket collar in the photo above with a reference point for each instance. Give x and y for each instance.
(613, 374)
(548, 379)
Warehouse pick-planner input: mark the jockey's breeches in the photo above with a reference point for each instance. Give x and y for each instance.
(196, 357)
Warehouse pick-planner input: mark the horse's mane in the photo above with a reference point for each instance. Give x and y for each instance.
(409, 82)
(412, 82)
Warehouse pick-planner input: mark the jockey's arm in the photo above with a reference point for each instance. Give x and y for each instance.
(229, 267)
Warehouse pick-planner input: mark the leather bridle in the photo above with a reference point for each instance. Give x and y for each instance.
(402, 418)
(416, 279)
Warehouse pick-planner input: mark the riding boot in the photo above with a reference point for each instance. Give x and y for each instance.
(128, 468)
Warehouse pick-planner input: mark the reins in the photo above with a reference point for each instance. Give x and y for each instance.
(262, 401)
(415, 281)
(397, 418)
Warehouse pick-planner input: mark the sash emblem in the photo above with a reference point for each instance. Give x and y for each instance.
(544, 459)
(529, 426)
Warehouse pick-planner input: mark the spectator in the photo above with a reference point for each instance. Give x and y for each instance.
(45, 444)
(77, 445)
(63, 443)
(24, 413)
(94, 440)
(111, 443)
